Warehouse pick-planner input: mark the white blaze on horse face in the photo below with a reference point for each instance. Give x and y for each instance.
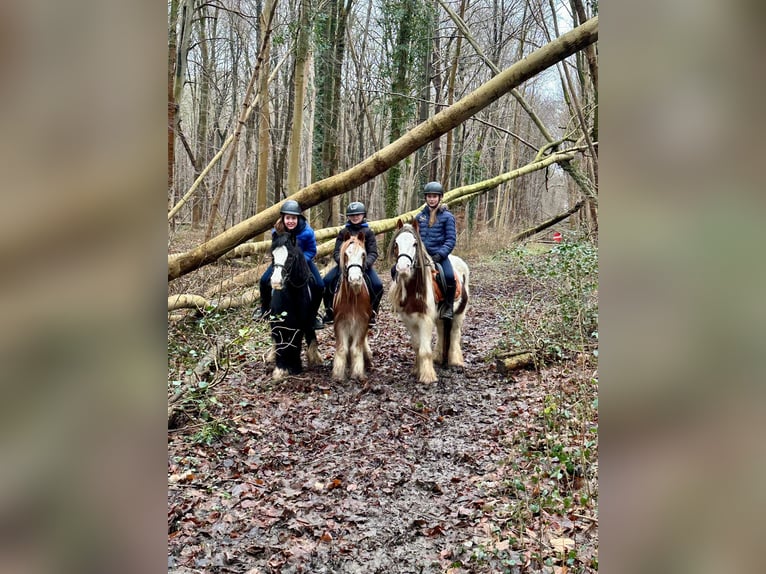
(280, 257)
(405, 244)
(355, 263)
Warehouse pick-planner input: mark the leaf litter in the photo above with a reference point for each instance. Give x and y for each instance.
(478, 472)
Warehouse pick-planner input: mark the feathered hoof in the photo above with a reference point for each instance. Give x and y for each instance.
(427, 376)
(279, 374)
(271, 356)
(312, 354)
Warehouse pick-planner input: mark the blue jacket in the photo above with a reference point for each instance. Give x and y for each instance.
(440, 239)
(305, 238)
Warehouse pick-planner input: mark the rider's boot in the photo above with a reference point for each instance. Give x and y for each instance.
(448, 303)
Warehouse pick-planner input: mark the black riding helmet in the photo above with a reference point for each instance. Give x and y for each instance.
(433, 187)
(356, 208)
(291, 207)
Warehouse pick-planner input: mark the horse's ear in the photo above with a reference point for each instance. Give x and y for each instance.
(399, 224)
(293, 239)
(360, 236)
(346, 235)
(415, 224)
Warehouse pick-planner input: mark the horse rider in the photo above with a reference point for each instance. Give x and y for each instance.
(437, 232)
(291, 219)
(356, 214)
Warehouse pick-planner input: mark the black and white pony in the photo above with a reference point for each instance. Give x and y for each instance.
(291, 316)
(412, 297)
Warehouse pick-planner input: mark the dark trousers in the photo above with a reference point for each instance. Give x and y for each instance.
(331, 285)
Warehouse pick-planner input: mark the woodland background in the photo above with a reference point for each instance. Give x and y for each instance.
(265, 98)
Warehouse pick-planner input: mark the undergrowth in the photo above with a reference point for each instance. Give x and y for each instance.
(555, 315)
(202, 350)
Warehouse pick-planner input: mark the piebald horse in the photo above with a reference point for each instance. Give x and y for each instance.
(412, 298)
(291, 317)
(353, 308)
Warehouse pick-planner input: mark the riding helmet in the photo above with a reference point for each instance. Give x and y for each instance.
(433, 187)
(356, 208)
(290, 207)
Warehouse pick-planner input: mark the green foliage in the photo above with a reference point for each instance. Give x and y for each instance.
(235, 338)
(556, 313)
(211, 432)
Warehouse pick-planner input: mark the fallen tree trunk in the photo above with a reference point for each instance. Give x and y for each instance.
(546, 224)
(456, 196)
(539, 60)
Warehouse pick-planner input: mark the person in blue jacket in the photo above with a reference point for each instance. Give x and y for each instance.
(437, 231)
(356, 213)
(292, 220)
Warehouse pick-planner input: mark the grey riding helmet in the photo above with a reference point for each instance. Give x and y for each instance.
(356, 208)
(433, 187)
(291, 207)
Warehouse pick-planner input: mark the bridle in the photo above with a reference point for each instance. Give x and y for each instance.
(287, 269)
(407, 255)
(414, 261)
(349, 266)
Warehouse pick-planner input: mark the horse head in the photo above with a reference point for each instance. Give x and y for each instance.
(288, 261)
(353, 257)
(408, 250)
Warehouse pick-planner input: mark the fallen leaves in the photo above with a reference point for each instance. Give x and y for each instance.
(452, 477)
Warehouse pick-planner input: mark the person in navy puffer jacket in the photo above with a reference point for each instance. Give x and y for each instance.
(437, 231)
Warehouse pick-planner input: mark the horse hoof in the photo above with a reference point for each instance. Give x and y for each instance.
(279, 375)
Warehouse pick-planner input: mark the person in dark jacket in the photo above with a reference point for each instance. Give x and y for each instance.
(291, 219)
(356, 213)
(437, 231)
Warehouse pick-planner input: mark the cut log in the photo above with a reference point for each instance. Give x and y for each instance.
(515, 361)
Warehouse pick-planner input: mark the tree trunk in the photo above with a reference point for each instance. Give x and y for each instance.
(172, 104)
(450, 99)
(264, 116)
(491, 91)
(200, 156)
(299, 91)
(246, 108)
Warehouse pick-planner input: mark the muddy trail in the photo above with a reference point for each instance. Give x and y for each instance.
(470, 474)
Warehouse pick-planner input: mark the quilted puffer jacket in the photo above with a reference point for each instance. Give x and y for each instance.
(439, 240)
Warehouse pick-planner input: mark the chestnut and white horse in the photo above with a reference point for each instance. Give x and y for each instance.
(412, 298)
(352, 308)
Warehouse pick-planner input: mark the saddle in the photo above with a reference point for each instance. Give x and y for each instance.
(440, 284)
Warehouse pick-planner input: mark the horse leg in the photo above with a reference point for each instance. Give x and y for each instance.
(341, 352)
(358, 338)
(439, 348)
(367, 351)
(455, 355)
(312, 348)
(444, 342)
(421, 330)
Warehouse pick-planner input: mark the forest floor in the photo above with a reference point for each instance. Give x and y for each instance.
(479, 472)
